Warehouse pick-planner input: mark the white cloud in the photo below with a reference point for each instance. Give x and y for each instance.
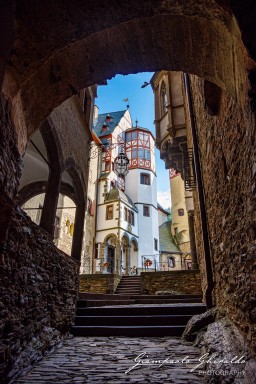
(164, 199)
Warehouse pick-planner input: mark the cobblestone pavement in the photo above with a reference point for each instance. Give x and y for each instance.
(106, 359)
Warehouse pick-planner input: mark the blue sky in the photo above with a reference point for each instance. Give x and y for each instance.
(141, 102)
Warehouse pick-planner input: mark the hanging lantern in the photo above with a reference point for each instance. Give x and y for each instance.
(121, 164)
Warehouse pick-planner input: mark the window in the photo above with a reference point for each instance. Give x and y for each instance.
(156, 244)
(104, 127)
(181, 212)
(163, 99)
(129, 216)
(141, 153)
(147, 154)
(134, 135)
(145, 178)
(171, 262)
(146, 210)
(109, 212)
(176, 231)
(134, 153)
(132, 218)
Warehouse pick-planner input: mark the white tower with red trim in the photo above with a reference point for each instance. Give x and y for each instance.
(129, 216)
(141, 187)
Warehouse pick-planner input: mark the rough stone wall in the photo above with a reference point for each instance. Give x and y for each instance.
(227, 151)
(10, 164)
(38, 308)
(197, 222)
(73, 133)
(10, 160)
(183, 282)
(98, 283)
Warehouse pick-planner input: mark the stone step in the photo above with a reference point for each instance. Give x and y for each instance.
(129, 331)
(126, 277)
(114, 310)
(85, 296)
(178, 297)
(166, 301)
(153, 320)
(132, 284)
(129, 300)
(102, 303)
(131, 291)
(128, 287)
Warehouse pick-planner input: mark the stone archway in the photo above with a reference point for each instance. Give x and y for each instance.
(200, 40)
(44, 62)
(43, 72)
(110, 253)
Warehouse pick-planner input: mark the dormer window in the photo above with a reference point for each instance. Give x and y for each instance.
(108, 118)
(104, 127)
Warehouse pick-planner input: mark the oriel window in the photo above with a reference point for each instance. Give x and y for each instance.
(109, 212)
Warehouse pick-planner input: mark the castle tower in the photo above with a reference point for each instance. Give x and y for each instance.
(141, 187)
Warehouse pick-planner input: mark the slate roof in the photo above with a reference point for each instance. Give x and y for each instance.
(166, 241)
(117, 194)
(116, 117)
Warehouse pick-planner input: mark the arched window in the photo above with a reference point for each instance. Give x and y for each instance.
(163, 99)
(171, 262)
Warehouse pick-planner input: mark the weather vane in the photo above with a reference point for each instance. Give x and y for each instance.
(126, 100)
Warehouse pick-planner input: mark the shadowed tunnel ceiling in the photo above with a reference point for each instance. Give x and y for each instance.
(61, 47)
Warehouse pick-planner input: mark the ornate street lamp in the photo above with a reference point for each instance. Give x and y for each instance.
(121, 164)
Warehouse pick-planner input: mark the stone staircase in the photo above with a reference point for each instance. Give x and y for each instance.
(134, 315)
(129, 285)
